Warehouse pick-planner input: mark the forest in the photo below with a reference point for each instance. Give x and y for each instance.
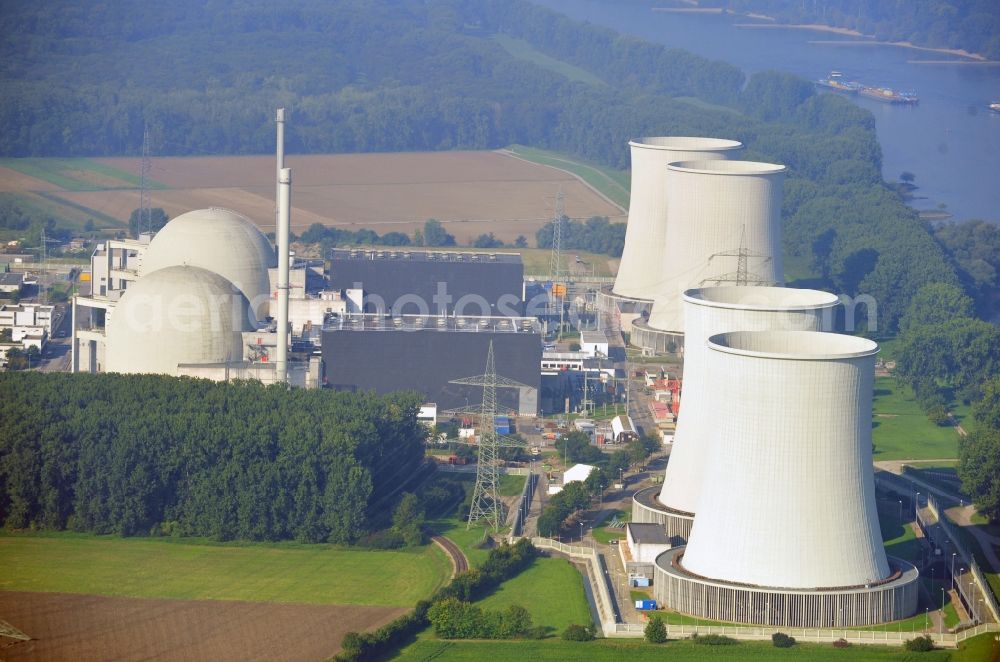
(971, 25)
(149, 454)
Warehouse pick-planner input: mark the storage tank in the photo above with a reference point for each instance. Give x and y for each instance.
(708, 311)
(219, 240)
(717, 210)
(646, 231)
(790, 501)
(177, 315)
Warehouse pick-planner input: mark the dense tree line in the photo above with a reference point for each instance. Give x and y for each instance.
(973, 25)
(974, 249)
(979, 453)
(140, 454)
(596, 235)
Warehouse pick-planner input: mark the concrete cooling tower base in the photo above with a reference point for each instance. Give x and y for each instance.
(892, 599)
(647, 509)
(654, 340)
(609, 302)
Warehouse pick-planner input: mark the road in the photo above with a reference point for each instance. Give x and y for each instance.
(459, 562)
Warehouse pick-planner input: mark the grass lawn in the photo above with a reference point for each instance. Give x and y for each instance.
(983, 647)
(902, 431)
(524, 51)
(613, 184)
(511, 485)
(551, 589)
(638, 651)
(467, 539)
(194, 569)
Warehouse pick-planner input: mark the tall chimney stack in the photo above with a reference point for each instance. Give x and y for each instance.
(280, 120)
(284, 219)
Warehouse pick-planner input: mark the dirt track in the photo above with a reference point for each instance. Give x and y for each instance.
(87, 627)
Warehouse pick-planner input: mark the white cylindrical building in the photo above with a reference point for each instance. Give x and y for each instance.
(717, 210)
(646, 231)
(177, 316)
(708, 311)
(787, 531)
(222, 241)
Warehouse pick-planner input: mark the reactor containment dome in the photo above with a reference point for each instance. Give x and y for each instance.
(646, 231)
(177, 315)
(725, 228)
(708, 311)
(221, 241)
(787, 531)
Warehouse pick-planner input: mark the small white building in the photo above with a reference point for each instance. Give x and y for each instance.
(646, 541)
(594, 343)
(576, 473)
(26, 316)
(11, 282)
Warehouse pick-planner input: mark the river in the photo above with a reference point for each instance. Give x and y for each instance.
(951, 141)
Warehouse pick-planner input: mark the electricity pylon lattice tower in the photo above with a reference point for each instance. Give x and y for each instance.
(145, 204)
(742, 276)
(486, 502)
(555, 260)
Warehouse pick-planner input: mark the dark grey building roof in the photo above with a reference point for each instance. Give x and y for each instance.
(653, 534)
(11, 278)
(423, 282)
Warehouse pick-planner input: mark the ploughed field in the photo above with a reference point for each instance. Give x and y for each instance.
(84, 597)
(471, 193)
(68, 626)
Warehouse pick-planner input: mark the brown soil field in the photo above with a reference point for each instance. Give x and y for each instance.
(12, 181)
(66, 626)
(470, 192)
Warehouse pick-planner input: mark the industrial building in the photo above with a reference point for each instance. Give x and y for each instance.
(424, 353)
(427, 282)
(711, 310)
(786, 531)
(726, 230)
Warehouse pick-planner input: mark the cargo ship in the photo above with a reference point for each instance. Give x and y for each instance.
(885, 95)
(837, 83)
(995, 107)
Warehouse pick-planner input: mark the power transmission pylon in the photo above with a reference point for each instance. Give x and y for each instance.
(742, 276)
(145, 210)
(555, 261)
(486, 502)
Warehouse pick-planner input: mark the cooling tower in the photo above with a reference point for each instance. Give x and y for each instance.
(792, 485)
(708, 311)
(718, 210)
(646, 232)
(787, 531)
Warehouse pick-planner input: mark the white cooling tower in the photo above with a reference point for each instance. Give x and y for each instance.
(790, 498)
(717, 209)
(646, 232)
(708, 311)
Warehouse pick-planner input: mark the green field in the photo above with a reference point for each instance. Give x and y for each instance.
(524, 51)
(613, 184)
(902, 431)
(551, 589)
(76, 174)
(639, 651)
(197, 570)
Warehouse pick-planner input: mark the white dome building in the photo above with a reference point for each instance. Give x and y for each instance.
(221, 241)
(177, 315)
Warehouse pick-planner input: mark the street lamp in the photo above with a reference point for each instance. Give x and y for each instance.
(953, 555)
(581, 533)
(916, 505)
(900, 512)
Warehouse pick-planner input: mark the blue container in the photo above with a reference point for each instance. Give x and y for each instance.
(645, 605)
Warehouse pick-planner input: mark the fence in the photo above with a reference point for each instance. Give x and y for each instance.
(524, 505)
(807, 634)
(967, 556)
